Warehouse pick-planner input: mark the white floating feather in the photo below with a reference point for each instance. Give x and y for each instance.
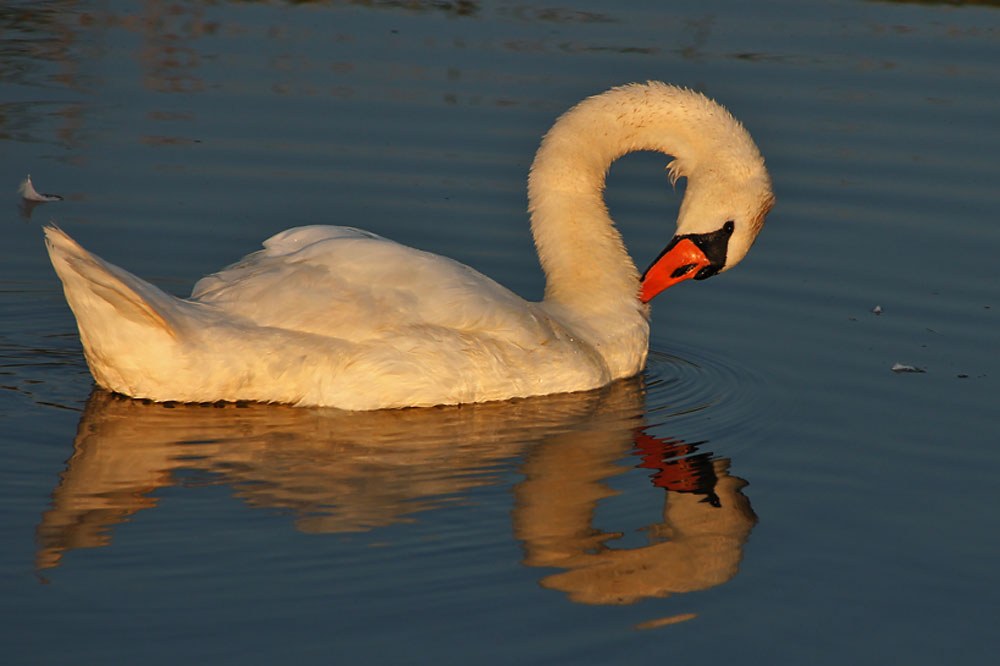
(28, 192)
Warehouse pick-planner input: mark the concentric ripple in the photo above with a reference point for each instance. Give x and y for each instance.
(691, 389)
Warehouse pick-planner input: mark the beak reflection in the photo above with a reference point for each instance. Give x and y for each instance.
(337, 472)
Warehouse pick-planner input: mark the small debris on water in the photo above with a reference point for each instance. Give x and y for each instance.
(901, 367)
(28, 192)
(662, 622)
(877, 309)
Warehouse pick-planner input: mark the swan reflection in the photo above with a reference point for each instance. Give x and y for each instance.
(338, 471)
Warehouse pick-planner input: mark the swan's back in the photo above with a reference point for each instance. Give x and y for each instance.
(354, 285)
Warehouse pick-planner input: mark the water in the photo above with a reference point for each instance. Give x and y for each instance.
(607, 527)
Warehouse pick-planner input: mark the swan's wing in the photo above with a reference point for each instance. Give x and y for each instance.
(99, 292)
(351, 284)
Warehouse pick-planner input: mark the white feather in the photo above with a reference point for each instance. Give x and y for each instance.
(27, 191)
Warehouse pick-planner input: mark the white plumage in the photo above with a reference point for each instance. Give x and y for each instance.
(335, 316)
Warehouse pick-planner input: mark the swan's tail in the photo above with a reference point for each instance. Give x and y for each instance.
(100, 293)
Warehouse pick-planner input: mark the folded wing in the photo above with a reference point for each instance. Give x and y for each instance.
(354, 285)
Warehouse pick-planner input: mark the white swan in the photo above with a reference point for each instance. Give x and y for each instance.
(339, 317)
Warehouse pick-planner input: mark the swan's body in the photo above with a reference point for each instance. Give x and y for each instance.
(339, 317)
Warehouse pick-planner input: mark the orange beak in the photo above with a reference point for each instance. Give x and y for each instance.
(680, 262)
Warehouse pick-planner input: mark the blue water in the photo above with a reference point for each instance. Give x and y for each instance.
(768, 491)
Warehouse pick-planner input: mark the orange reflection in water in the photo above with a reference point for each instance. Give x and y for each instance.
(338, 471)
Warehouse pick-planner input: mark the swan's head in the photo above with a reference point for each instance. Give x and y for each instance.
(718, 222)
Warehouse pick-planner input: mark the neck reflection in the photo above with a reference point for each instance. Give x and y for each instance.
(341, 472)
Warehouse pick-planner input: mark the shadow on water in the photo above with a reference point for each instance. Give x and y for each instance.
(341, 472)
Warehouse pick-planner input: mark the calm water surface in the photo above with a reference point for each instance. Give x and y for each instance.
(768, 491)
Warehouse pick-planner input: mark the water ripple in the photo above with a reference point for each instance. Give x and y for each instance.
(691, 387)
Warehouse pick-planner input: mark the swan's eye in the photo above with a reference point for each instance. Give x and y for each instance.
(682, 270)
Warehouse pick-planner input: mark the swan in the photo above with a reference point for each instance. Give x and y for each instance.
(339, 317)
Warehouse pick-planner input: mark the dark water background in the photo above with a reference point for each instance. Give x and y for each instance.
(610, 527)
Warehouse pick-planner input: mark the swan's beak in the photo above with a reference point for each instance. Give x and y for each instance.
(680, 261)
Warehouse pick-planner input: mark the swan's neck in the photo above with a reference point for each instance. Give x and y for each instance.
(586, 264)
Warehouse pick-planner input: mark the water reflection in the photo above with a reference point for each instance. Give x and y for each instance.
(699, 543)
(339, 471)
(27, 207)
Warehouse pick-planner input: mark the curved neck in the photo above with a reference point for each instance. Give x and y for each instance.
(585, 262)
(581, 251)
